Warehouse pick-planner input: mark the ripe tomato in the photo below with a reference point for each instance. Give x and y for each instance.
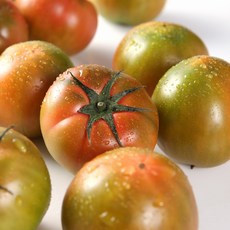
(129, 12)
(130, 188)
(13, 26)
(90, 109)
(25, 187)
(27, 70)
(69, 24)
(148, 50)
(193, 100)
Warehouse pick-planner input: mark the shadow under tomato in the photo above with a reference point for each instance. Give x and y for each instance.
(43, 227)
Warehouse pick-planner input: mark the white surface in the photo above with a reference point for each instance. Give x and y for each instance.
(209, 19)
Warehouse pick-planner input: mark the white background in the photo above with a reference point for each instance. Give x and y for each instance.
(210, 20)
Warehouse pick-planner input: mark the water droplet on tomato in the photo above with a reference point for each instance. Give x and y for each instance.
(80, 73)
(106, 184)
(158, 203)
(107, 218)
(119, 164)
(126, 185)
(60, 78)
(107, 142)
(18, 200)
(103, 215)
(20, 145)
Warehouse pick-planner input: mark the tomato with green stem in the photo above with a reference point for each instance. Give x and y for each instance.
(90, 109)
(25, 186)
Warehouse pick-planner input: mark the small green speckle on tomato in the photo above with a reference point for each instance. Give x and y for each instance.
(20, 145)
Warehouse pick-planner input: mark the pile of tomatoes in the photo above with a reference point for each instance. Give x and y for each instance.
(103, 124)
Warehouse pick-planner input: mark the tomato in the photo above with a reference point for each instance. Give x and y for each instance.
(13, 26)
(148, 50)
(130, 188)
(193, 101)
(69, 24)
(25, 187)
(27, 70)
(90, 109)
(129, 12)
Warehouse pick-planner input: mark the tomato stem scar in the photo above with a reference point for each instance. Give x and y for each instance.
(101, 106)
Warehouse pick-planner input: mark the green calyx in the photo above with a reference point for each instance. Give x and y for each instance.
(5, 190)
(5, 131)
(1, 137)
(103, 105)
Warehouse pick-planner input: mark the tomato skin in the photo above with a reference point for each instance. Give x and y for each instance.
(64, 126)
(13, 26)
(25, 186)
(130, 188)
(193, 101)
(27, 70)
(159, 46)
(129, 12)
(69, 24)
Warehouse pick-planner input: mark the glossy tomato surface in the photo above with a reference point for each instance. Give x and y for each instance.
(13, 26)
(69, 24)
(148, 50)
(130, 188)
(193, 101)
(90, 109)
(129, 12)
(25, 187)
(27, 70)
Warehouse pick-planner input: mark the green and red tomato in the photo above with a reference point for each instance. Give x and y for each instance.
(148, 50)
(13, 26)
(130, 188)
(25, 186)
(27, 70)
(68, 24)
(193, 102)
(90, 109)
(129, 12)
